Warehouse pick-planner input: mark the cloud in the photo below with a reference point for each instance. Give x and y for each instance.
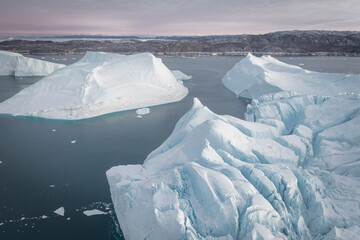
(176, 17)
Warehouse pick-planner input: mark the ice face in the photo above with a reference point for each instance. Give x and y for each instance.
(253, 77)
(97, 84)
(18, 65)
(219, 177)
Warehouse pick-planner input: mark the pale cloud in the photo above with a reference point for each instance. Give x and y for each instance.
(176, 17)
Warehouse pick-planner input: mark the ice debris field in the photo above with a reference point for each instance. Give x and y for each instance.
(289, 171)
(20, 66)
(98, 84)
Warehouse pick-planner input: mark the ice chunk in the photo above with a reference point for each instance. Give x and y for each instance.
(18, 65)
(60, 211)
(253, 77)
(218, 177)
(143, 111)
(93, 212)
(97, 84)
(180, 76)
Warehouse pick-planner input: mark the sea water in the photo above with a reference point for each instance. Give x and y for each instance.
(48, 164)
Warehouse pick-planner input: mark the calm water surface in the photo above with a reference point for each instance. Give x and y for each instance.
(41, 170)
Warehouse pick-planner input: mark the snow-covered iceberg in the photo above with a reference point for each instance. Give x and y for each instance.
(290, 172)
(97, 84)
(254, 76)
(18, 65)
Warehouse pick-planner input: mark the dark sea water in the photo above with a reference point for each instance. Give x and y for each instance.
(41, 170)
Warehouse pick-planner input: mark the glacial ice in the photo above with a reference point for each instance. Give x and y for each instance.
(18, 65)
(97, 84)
(60, 211)
(143, 111)
(254, 76)
(180, 76)
(94, 212)
(291, 171)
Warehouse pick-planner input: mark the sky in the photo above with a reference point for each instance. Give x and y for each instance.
(175, 17)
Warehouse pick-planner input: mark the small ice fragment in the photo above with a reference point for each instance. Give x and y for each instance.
(68, 219)
(1, 224)
(73, 141)
(301, 64)
(52, 185)
(0, 161)
(22, 219)
(93, 212)
(143, 111)
(54, 130)
(73, 58)
(60, 211)
(139, 116)
(44, 216)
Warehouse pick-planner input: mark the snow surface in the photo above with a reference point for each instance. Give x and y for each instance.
(255, 76)
(18, 65)
(94, 212)
(290, 172)
(97, 84)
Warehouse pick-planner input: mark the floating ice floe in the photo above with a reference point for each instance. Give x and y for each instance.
(180, 76)
(18, 65)
(254, 76)
(143, 111)
(97, 84)
(290, 172)
(60, 211)
(94, 212)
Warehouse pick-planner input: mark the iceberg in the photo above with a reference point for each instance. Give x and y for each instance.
(254, 76)
(180, 76)
(290, 171)
(97, 84)
(20, 66)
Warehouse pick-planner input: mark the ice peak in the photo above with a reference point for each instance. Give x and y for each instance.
(197, 103)
(250, 55)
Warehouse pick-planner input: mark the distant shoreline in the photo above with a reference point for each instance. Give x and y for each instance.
(292, 43)
(228, 54)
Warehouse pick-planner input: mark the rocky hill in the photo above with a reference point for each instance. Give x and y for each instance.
(277, 43)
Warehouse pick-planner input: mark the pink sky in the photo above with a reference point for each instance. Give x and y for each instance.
(181, 17)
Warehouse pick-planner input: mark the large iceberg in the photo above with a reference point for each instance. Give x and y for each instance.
(254, 76)
(291, 171)
(18, 65)
(97, 84)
